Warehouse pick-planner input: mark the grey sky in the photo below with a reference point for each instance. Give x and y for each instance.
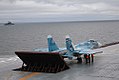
(58, 10)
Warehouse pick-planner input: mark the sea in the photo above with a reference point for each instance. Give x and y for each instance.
(28, 36)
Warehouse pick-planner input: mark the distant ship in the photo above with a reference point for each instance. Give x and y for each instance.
(9, 23)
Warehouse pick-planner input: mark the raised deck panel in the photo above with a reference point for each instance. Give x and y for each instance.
(42, 61)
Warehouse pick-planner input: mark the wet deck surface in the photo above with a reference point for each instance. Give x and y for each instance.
(105, 67)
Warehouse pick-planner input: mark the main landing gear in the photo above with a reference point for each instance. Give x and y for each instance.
(89, 57)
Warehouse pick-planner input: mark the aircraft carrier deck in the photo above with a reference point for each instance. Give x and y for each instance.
(105, 67)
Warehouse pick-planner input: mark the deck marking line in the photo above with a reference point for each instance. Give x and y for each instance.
(29, 76)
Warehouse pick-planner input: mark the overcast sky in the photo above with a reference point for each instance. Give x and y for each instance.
(58, 10)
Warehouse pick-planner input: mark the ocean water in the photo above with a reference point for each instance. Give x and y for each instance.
(27, 36)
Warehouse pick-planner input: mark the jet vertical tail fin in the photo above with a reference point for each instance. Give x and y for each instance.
(70, 48)
(69, 44)
(51, 44)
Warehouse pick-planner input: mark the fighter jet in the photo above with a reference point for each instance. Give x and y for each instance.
(71, 50)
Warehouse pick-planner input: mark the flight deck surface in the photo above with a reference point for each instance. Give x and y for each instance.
(105, 67)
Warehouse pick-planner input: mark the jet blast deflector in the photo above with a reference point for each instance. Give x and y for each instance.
(51, 62)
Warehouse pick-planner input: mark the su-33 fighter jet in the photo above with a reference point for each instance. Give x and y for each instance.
(71, 50)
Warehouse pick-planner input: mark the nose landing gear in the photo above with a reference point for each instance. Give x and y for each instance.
(79, 59)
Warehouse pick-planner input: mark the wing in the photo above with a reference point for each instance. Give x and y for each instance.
(41, 49)
(68, 55)
(89, 51)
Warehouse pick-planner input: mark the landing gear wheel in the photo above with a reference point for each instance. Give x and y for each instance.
(79, 60)
(87, 58)
(92, 58)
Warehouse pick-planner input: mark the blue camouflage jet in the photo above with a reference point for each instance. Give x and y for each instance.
(71, 50)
